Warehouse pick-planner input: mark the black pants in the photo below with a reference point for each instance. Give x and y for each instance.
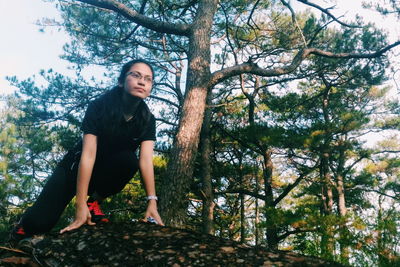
(110, 175)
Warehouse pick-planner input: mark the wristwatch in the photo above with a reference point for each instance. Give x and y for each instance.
(152, 197)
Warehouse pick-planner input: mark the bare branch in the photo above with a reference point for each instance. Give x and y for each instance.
(242, 191)
(252, 12)
(296, 231)
(376, 54)
(386, 151)
(288, 189)
(395, 197)
(165, 101)
(327, 12)
(294, 20)
(167, 122)
(141, 11)
(136, 17)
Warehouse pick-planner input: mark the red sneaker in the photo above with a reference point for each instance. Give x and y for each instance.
(17, 234)
(96, 212)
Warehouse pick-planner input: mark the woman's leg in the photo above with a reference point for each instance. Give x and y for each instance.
(109, 177)
(55, 196)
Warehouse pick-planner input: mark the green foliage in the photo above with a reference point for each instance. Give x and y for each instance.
(386, 7)
(336, 102)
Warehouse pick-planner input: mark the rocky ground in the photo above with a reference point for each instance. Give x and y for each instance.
(144, 244)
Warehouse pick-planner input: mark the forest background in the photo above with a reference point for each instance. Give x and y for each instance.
(265, 113)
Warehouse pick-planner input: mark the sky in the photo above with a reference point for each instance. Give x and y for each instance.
(24, 50)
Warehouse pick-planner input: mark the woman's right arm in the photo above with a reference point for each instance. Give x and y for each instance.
(86, 163)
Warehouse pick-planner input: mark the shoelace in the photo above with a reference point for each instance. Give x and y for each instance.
(95, 207)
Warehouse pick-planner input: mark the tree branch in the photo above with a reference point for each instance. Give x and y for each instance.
(167, 122)
(241, 191)
(327, 12)
(253, 68)
(375, 54)
(136, 17)
(297, 231)
(165, 101)
(395, 197)
(386, 151)
(294, 20)
(288, 189)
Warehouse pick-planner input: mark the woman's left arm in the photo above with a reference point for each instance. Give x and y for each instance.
(147, 171)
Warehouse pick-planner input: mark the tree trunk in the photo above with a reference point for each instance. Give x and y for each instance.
(174, 201)
(340, 180)
(257, 211)
(344, 232)
(343, 241)
(205, 173)
(341, 196)
(380, 244)
(242, 219)
(271, 231)
(327, 241)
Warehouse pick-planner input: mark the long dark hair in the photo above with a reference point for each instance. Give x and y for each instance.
(113, 104)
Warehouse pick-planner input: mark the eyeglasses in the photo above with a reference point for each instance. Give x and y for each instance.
(138, 76)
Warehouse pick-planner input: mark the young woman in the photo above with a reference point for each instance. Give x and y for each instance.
(114, 127)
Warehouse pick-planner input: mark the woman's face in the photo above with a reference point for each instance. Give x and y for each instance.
(139, 80)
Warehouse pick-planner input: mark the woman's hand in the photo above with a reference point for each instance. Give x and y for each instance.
(86, 163)
(82, 216)
(151, 211)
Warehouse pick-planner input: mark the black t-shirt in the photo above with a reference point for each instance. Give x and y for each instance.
(129, 137)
